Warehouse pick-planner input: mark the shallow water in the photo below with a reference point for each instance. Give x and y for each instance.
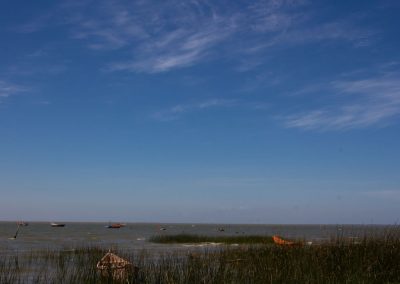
(39, 236)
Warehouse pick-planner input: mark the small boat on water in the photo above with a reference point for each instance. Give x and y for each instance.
(57, 225)
(22, 223)
(161, 228)
(115, 226)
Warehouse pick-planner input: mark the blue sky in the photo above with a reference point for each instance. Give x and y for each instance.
(200, 111)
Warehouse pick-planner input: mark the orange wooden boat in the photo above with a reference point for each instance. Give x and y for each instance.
(115, 226)
(279, 241)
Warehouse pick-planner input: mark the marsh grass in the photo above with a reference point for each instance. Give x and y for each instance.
(342, 260)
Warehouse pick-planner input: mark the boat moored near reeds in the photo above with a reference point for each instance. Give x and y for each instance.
(281, 242)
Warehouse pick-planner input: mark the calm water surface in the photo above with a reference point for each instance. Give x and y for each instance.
(134, 236)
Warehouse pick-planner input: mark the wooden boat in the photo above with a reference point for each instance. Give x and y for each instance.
(115, 226)
(279, 241)
(57, 225)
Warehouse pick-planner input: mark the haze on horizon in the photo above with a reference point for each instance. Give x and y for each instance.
(200, 111)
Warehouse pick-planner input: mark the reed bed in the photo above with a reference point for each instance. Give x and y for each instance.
(364, 260)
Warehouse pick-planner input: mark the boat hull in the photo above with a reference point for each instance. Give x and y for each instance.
(57, 225)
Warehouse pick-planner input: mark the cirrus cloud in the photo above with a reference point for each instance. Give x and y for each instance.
(8, 89)
(368, 101)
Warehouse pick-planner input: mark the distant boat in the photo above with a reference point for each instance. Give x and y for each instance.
(161, 228)
(115, 226)
(221, 229)
(57, 225)
(22, 223)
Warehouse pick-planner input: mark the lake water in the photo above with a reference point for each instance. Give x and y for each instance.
(134, 236)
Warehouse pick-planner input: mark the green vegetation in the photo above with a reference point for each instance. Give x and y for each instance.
(194, 239)
(369, 260)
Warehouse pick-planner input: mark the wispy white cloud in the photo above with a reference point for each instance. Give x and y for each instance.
(342, 31)
(157, 38)
(153, 38)
(369, 101)
(9, 89)
(273, 16)
(177, 111)
(163, 37)
(181, 47)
